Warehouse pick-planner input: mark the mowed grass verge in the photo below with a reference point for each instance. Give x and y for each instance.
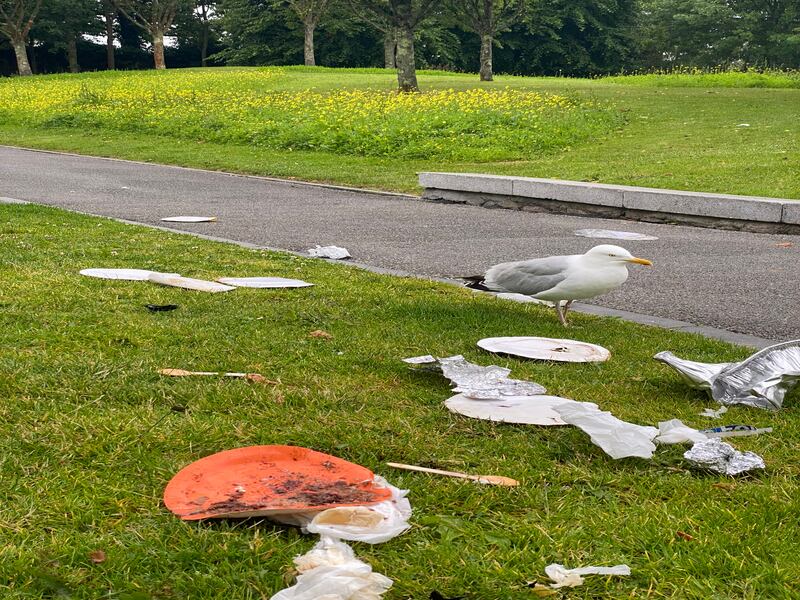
(91, 433)
(345, 126)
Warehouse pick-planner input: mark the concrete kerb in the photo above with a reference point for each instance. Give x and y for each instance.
(721, 211)
(642, 319)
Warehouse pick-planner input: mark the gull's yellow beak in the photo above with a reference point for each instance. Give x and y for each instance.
(640, 261)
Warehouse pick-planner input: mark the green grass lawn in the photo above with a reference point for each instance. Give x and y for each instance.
(91, 433)
(651, 132)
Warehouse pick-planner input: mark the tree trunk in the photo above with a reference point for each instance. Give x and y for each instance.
(389, 49)
(204, 46)
(158, 50)
(308, 46)
(486, 57)
(110, 62)
(23, 66)
(72, 55)
(406, 67)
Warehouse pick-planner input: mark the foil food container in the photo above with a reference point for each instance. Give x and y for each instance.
(715, 455)
(761, 381)
(475, 381)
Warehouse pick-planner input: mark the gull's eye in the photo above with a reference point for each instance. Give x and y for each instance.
(614, 255)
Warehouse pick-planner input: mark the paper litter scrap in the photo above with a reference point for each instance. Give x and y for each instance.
(617, 438)
(675, 432)
(331, 571)
(333, 252)
(263, 282)
(187, 283)
(563, 577)
(715, 455)
(761, 381)
(714, 414)
(125, 274)
(610, 234)
(475, 381)
(530, 410)
(188, 219)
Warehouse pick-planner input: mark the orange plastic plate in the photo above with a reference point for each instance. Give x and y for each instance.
(269, 480)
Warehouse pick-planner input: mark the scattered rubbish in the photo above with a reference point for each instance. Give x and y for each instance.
(613, 235)
(160, 307)
(761, 381)
(269, 481)
(126, 274)
(97, 556)
(675, 432)
(255, 377)
(334, 252)
(330, 570)
(523, 298)
(743, 125)
(563, 577)
(187, 283)
(540, 348)
(318, 333)
(529, 410)
(187, 219)
(264, 282)
(486, 479)
(477, 382)
(715, 455)
(734, 431)
(714, 414)
(784, 245)
(684, 536)
(617, 438)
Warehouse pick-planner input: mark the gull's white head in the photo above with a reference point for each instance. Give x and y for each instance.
(610, 254)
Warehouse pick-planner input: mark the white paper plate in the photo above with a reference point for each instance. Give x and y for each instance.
(264, 282)
(127, 274)
(610, 234)
(540, 348)
(190, 219)
(530, 410)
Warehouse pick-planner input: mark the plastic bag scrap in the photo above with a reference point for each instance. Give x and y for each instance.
(715, 455)
(564, 577)
(330, 571)
(617, 438)
(734, 431)
(675, 432)
(334, 252)
(714, 414)
(477, 382)
(761, 381)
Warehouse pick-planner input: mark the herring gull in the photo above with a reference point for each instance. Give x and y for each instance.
(561, 278)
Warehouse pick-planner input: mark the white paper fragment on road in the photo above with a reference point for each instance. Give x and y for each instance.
(715, 455)
(373, 524)
(330, 571)
(264, 282)
(541, 348)
(610, 234)
(523, 299)
(563, 577)
(188, 219)
(123, 274)
(530, 410)
(189, 284)
(714, 414)
(475, 381)
(617, 438)
(334, 252)
(675, 432)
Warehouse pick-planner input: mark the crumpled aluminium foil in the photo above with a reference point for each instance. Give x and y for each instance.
(715, 455)
(761, 381)
(477, 382)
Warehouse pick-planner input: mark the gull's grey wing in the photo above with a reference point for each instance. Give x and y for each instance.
(529, 277)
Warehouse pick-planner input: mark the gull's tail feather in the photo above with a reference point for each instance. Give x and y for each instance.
(476, 282)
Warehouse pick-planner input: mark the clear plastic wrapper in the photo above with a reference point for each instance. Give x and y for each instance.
(734, 431)
(478, 382)
(675, 432)
(563, 577)
(333, 252)
(715, 455)
(761, 381)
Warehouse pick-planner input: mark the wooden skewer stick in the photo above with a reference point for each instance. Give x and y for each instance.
(183, 373)
(487, 479)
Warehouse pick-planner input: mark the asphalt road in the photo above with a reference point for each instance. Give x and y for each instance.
(741, 282)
